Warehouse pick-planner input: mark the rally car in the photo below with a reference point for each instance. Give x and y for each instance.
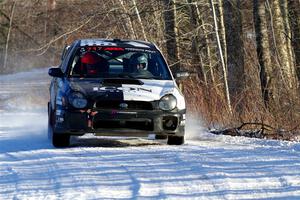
(114, 88)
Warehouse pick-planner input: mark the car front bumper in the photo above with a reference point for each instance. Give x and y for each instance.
(120, 122)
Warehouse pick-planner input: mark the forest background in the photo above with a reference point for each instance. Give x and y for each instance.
(243, 55)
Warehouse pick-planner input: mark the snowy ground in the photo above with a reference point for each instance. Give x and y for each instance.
(206, 167)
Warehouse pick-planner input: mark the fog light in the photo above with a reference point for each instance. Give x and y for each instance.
(170, 123)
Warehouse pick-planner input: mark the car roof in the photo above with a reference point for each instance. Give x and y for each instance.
(118, 43)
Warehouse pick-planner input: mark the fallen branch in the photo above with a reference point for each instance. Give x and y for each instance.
(264, 132)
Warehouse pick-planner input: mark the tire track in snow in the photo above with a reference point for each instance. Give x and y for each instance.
(11, 176)
(52, 174)
(194, 169)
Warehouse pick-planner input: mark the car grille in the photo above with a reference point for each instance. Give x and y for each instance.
(131, 105)
(123, 124)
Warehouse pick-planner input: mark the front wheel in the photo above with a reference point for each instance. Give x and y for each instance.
(58, 140)
(175, 140)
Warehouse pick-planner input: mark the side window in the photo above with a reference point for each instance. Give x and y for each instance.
(65, 57)
(65, 52)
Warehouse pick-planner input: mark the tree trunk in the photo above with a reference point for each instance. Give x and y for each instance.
(288, 34)
(126, 18)
(208, 48)
(263, 51)
(281, 47)
(197, 60)
(8, 35)
(140, 20)
(170, 34)
(227, 95)
(294, 9)
(235, 47)
(222, 30)
(159, 28)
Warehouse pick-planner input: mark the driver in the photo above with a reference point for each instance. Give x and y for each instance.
(139, 64)
(92, 64)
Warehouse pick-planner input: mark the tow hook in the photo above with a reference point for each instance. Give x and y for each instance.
(90, 115)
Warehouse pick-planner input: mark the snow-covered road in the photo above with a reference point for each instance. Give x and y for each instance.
(206, 167)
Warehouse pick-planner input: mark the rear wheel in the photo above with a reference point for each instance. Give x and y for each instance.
(58, 140)
(175, 140)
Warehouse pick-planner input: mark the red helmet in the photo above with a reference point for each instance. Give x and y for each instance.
(91, 58)
(92, 63)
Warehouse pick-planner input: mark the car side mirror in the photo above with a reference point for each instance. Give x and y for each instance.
(55, 72)
(182, 75)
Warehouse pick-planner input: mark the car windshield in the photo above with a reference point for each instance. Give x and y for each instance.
(118, 62)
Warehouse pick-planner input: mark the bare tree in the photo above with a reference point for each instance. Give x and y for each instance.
(170, 33)
(197, 59)
(222, 30)
(139, 19)
(263, 50)
(8, 35)
(221, 58)
(281, 47)
(295, 24)
(288, 34)
(235, 47)
(204, 26)
(127, 20)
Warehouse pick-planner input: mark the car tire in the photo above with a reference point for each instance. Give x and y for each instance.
(50, 121)
(58, 140)
(175, 140)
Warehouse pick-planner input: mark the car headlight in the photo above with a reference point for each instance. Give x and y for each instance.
(77, 100)
(167, 102)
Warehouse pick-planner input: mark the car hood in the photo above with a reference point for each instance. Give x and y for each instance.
(147, 90)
